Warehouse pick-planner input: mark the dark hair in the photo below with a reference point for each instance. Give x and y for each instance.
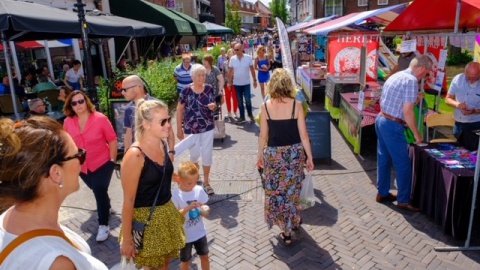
(68, 110)
(28, 149)
(76, 62)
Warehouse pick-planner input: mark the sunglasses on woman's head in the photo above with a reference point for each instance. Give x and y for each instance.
(75, 103)
(81, 155)
(164, 121)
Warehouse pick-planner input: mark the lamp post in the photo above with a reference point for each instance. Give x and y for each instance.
(92, 92)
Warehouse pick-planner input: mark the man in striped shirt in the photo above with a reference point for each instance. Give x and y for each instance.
(399, 95)
(182, 73)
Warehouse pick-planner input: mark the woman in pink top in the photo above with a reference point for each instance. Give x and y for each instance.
(93, 132)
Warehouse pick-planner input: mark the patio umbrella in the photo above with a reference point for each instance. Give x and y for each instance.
(20, 21)
(213, 28)
(29, 21)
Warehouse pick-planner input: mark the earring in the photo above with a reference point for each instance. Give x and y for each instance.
(60, 184)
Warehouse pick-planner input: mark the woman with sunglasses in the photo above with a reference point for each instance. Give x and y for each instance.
(196, 110)
(39, 168)
(262, 64)
(93, 132)
(146, 170)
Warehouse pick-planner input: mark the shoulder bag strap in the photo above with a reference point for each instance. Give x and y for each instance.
(152, 209)
(29, 235)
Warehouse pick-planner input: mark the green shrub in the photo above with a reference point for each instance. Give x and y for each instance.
(157, 74)
(461, 58)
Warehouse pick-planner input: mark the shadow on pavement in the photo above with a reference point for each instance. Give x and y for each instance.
(226, 143)
(225, 210)
(303, 253)
(321, 214)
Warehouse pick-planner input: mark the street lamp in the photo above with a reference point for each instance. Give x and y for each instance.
(92, 92)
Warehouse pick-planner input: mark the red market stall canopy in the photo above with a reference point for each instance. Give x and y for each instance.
(37, 44)
(352, 21)
(309, 24)
(437, 15)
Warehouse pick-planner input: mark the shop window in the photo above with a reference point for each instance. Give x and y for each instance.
(382, 2)
(333, 7)
(363, 3)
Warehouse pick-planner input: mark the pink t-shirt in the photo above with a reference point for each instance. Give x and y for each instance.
(97, 134)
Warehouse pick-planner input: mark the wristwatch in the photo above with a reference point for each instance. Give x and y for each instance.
(171, 152)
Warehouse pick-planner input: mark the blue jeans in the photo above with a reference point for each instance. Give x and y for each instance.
(459, 127)
(393, 149)
(244, 91)
(98, 181)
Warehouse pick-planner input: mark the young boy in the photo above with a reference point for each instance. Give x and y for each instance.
(188, 198)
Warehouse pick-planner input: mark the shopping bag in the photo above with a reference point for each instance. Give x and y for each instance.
(307, 196)
(127, 264)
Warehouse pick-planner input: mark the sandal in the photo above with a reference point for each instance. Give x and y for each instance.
(287, 239)
(208, 189)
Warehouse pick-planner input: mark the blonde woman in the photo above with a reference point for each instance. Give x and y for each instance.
(262, 64)
(146, 168)
(283, 157)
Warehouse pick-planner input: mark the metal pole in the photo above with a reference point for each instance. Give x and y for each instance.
(49, 58)
(457, 16)
(92, 92)
(102, 59)
(10, 77)
(15, 60)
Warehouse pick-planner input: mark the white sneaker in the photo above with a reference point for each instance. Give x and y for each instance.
(112, 211)
(231, 115)
(102, 233)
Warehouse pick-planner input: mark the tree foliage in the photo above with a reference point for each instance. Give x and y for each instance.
(233, 20)
(279, 9)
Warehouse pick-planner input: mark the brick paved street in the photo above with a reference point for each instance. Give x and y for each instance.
(346, 229)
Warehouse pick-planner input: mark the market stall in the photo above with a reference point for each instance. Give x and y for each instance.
(454, 185)
(442, 185)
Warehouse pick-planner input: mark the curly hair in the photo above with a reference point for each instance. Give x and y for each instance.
(280, 85)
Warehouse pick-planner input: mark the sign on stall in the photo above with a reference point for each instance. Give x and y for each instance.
(408, 46)
(436, 52)
(344, 55)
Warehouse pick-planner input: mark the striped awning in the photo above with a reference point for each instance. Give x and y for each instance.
(352, 21)
(300, 26)
(37, 44)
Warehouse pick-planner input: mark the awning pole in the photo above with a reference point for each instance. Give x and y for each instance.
(457, 16)
(15, 60)
(49, 57)
(161, 41)
(150, 46)
(124, 50)
(102, 60)
(10, 77)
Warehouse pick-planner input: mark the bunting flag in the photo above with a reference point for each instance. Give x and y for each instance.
(476, 54)
(285, 49)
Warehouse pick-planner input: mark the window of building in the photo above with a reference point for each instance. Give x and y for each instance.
(362, 3)
(382, 2)
(241, 4)
(333, 7)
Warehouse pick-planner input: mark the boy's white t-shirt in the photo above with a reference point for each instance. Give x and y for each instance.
(194, 225)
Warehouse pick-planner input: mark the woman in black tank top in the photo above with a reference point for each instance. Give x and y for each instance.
(146, 170)
(283, 152)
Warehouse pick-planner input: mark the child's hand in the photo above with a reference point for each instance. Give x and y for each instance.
(194, 205)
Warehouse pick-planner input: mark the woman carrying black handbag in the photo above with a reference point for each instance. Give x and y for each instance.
(146, 180)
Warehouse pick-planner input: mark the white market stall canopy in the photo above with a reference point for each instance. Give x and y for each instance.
(352, 21)
(312, 23)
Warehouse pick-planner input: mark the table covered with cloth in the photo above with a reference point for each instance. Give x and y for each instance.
(443, 193)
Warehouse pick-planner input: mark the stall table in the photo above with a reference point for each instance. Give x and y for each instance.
(352, 121)
(443, 194)
(312, 81)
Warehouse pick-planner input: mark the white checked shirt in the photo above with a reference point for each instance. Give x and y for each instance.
(400, 88)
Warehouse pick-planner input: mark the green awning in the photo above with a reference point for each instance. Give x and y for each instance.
(151, 13)
(198, 28)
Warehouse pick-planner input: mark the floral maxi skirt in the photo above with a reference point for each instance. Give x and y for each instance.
(283, 181)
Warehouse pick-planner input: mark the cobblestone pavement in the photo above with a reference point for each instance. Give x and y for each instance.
(345, 229)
